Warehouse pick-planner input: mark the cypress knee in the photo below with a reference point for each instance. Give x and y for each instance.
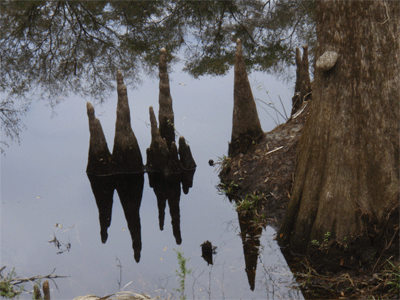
(158, 153)
(165, 113)
(185, 155)
(99, 158)
(303, 84)
(126, 152)
(246, 127)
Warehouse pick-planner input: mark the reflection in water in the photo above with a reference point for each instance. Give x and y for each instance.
(207, 251)
(130, 190)
(124, 170)
(250, 233)
(168, 189)
(103, 191)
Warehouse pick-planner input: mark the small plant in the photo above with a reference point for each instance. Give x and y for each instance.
(249, 203)
(315, 242)
(227, 188)
(327, 236)
(222, 163)
(7, 287)
(182, 273)
(394, 277)
(271, 104)
(260, 218)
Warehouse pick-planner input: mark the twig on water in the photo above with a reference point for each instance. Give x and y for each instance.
(17, 280)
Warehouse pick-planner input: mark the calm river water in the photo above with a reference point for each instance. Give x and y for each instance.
(45, 193)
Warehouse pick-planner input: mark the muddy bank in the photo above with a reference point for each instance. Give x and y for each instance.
(266, 170)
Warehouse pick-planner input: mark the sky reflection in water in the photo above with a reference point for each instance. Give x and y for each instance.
(44, 183)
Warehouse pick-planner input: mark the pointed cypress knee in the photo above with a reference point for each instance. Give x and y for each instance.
(103, 190)
(126, 153)
(246, 127)
(158, 153)
(99, 157)
(185, 155)
(303, 84)
(165, 113)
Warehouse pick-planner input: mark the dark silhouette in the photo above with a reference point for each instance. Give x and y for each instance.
(103, 191)
(207, 251)
(250, 233)
(99, 158)
(126, 153)
(130, 191)
(158, 155)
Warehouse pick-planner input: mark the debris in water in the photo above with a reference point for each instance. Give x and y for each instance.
(207, 250)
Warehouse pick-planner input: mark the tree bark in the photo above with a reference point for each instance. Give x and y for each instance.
(348, 159)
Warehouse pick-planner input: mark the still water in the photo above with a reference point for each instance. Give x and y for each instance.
(45, 193)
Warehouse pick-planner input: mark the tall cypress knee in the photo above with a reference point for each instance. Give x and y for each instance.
(246, 127)
(165, 113)
(126, 152)
(303, 84)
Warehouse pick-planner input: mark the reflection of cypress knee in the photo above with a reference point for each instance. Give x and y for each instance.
(187, 180)
(157, 182)
(303, 83)
(251, 243)
(246, 127)
(173, 190)
(103, 191)
(130, 191)
(165, 113)
(158, 153)
(99, 158)
(126, 152)
(185, 155)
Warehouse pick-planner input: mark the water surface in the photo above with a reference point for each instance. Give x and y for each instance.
(43, 183)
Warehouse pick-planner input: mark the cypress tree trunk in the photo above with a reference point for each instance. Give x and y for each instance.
(348, 159)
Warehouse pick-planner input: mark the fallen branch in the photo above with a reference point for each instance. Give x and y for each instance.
(276, 149)
(17, 280)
